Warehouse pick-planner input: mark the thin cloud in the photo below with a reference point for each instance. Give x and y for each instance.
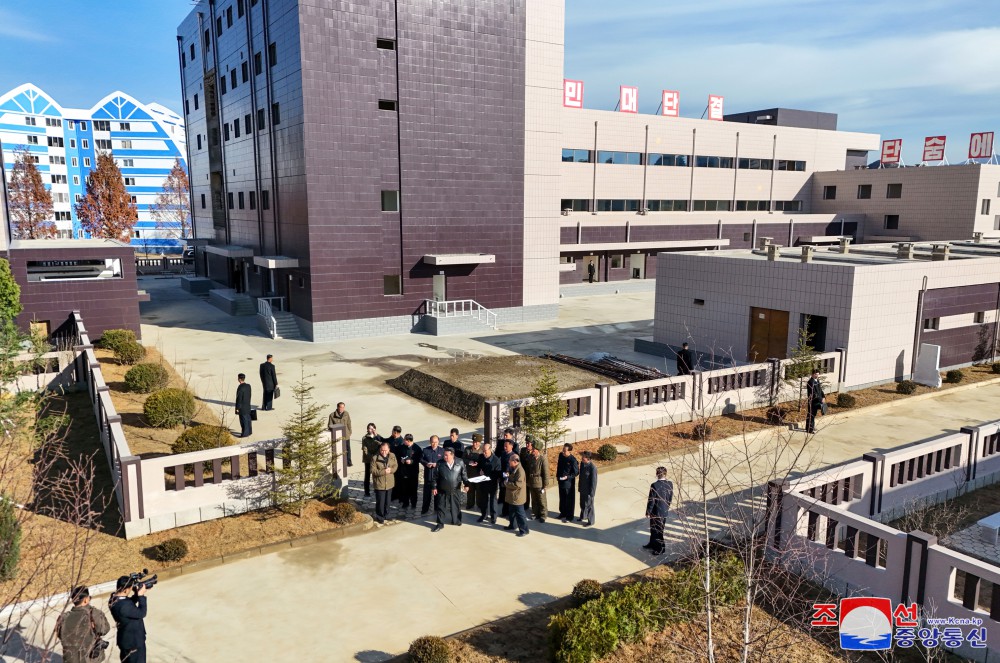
(16, 27)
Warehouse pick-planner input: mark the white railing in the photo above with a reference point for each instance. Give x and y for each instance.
(277, 303)
(264, 310)
(461, 308)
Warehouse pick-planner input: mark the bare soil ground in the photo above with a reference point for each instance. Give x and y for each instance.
(461, 387)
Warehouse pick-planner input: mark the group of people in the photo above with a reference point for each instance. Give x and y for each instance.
(509, 481)
(269, 385)
(81, 629)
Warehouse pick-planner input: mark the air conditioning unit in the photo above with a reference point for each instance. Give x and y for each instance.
(566, 211)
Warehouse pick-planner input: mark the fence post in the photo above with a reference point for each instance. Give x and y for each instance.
(923, 541)
(775, 372)
(973, 449)
(603, 406)
(842, 364)
(775, 493)
(491, 410)
(877, 482)
(338, 452)
(697, 384)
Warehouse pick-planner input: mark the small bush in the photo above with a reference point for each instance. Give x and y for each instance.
(587, 590)
(430, 649)
(130, 353)
(607, 452)
(10, 539)
(995, 368)
(342, 513)
(112, 339)
(776, 415)
(954, 376)
(906, 387)
(171, 550)
(199, 438)
(846, 400)
(146, 378)
(167, 408)
(701, 431)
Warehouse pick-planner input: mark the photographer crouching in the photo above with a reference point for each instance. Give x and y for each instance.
(128, 609)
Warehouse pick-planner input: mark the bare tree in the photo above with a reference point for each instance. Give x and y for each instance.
(107, 210)
(29, 201)
(172, 208)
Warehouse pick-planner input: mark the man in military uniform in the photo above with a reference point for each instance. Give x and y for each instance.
(538, 480)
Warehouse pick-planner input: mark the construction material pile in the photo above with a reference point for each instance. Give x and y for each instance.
(620, 370)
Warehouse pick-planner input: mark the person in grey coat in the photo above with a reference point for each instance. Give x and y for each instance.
(451, 482)
(587, 485)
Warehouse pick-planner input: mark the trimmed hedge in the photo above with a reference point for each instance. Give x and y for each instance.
(171, 550)
(995, 368)
(130, 353)
(112, 339)
(167, 408)
(600, 626)
(430, 649)
(906, 387)
(342, 513)
(846, 400)
(199, 438)
(607, 452)
(146, 378)
(587, 590)
(954, 376)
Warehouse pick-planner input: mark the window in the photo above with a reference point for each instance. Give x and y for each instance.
(54, 141)
(86, 162)
(245, 71)
(240, 9)
(232, 78)
(272, 54)
(247, 126)
(33, 158)
(386, 44)
(829, 192)
(575, 205)
(616, 261)
(667, 205)
(617, 205)
(712, 205)
(102, 144)
(756, 164)
(105, 125)
(72, 142)
(225, 131)
(864, 191)
(97, 268)
(253, 200)
(229, 16)
(391, 285)
(58, 179)
(669, 160)
(196, 102)
(198, 140)
(713, 162)
(192, 51)
(985, 207)
(236, 128)
(53, 122)
(261, 123)
(77, 198)
(390, 201)
(258, 65)
(76, 180)
(208, 39)
(33, 140)
(275, 113)
(133, 199)
(931, 324)
(996, 222)
(83, 126)
(218, 25)
(75, 162)
(265, 200)
(187, 107)
(894, 191)
(63, 216)
(124, 126)
(788, 206)
(891, 222)
(229, 199)
(126, 145)
(203, 201)
(71, 124)
(129, 181)
(239, 200)
(576, 156)
(128, 163)
(30, 121)
(628, 158)
(752, 205)
(979, 318)
(386, 105)
(799, 166)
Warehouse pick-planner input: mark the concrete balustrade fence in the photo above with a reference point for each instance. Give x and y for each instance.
(829, 526)
(607, 410)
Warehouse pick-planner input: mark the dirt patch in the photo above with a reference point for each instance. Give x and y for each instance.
(144, 440)
(462, 387)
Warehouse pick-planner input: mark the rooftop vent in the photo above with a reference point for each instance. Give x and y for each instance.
(807, 253)
(904, 251)
(845, 244)
(764, 242)
(941, 252)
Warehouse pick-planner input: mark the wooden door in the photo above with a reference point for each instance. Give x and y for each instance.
(768, 334)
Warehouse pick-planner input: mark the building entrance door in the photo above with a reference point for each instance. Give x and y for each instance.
(768, 334)
(587, 262)
(440, 289)
(637, 263)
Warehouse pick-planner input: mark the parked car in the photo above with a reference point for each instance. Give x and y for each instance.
(189, 255)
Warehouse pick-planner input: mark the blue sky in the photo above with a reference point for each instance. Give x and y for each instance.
(902, 68)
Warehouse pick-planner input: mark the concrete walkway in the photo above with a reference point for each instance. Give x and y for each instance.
(366, 598)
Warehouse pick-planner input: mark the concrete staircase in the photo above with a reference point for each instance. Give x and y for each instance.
(232, 303)
(286, 327)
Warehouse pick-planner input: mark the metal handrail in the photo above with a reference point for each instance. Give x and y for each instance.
(461, 308)
(264, 310)
(277, 303)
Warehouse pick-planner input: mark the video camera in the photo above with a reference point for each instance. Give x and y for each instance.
(137, 580)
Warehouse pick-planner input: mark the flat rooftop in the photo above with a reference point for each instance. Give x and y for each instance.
(867, 255)
(66, 244)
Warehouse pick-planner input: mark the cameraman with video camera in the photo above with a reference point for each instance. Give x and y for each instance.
(128, 609)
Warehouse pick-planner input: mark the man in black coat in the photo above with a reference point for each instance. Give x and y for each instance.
(431, 457)
(816, 395)
(566, 470)
(489, 465)
(243, 406)
(455, 444)
(408, 456)
(685, 362)
(591, 272)
(507, 451)
(661, 494)
(128, 609)
(588, 488)
(451, 482)
(269, 382)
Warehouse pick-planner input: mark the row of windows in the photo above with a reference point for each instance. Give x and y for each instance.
(865, 192)
(240, 201)
(680, 160)
(633, 205)
(102, 125)
(244, 70)
(247, 125)
(53, 122)
(63, 216)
